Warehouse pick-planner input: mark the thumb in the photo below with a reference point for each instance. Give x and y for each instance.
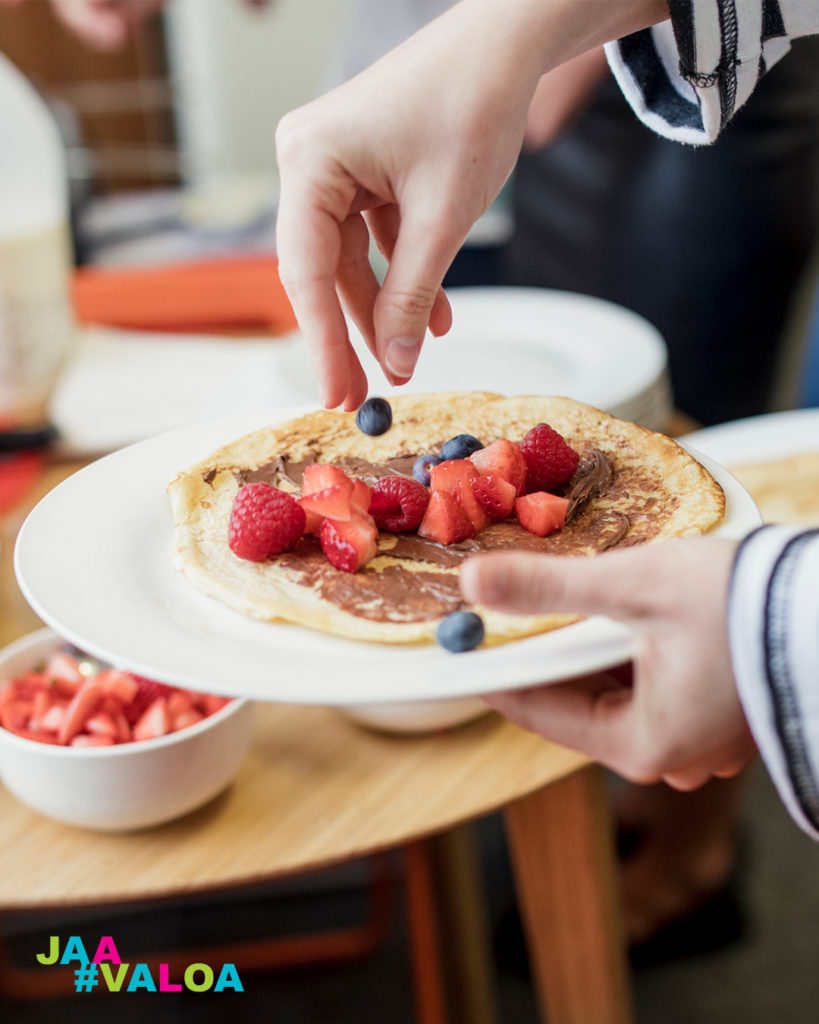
(424, 249)
(521, 583)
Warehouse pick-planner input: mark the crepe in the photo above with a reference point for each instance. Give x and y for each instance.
(654, 490)
(786, 490)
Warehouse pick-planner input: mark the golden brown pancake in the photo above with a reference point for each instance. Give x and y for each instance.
(633, 486)
(786, 490)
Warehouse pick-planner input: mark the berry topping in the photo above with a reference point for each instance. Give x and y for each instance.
(460, 631)
(445, 520)
(374, 417)
(422, 466)
(445, 476)
(320, 475)
(398, 503)
(550, 462)
(495, 495)
(360, 497)
(329, 503)
(264, 521)
(153, 722)
(502, 458)
(470, 504)
(328, 493)
(460, 447)
(540, 512)
(349, 544)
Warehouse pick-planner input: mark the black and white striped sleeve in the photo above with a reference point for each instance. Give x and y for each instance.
(686, 77)
(774, 629)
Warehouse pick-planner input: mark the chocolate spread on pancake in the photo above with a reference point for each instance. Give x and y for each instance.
(396, 592)
(283, 469)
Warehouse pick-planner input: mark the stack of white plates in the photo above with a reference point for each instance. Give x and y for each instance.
(522, 341)
(124, 386)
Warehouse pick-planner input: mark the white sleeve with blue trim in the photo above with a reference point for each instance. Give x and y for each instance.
(686, 77)
(774, 628)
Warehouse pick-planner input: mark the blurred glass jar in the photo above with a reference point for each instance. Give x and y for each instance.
(36, 321)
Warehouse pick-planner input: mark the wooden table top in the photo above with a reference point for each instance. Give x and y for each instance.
(315, 789)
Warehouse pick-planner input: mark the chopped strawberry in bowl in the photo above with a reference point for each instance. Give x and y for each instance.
(102, 748)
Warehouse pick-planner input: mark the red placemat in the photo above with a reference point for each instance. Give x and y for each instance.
(18, 474)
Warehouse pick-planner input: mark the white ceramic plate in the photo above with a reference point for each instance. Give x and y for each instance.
(521, 341)
(94, 561)
(759, 438)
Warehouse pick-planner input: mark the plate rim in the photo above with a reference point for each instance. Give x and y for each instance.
(583, 647)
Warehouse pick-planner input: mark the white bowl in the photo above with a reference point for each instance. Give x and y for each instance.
(418, 716)
(127, 786)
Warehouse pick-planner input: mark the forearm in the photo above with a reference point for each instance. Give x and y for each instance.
(530, 37)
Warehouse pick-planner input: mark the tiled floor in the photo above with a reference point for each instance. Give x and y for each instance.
(769, 977)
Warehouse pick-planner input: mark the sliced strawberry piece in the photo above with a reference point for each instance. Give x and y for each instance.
(211, 703)
(502, 458)
(397, 503)
(541, 513)
(61, 667)
(330, 502)
(52, 720)
(101, 724)
(122, 685)
(470, 504)
(41, 703)
(349, 544)
(85, 740)
(154, 722)
(495, 495)
(445, 520)
(445, 476)
(186, 718)
(35, 736)
(312, 522)
(360, 498)
(321, 475)
(179, 701)
(83, 705)
(15, 714)
(111, 706)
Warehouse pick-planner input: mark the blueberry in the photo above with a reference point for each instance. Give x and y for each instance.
(421, 467)
(460, 447)
(374, 416)
(460, 631)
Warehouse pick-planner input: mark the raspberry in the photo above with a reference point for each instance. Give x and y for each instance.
(264, 521)
(550, 462)
(398, 503)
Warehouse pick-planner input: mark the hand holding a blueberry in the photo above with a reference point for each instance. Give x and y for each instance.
(410, 153)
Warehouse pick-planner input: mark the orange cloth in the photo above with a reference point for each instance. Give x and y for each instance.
(208, 295)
